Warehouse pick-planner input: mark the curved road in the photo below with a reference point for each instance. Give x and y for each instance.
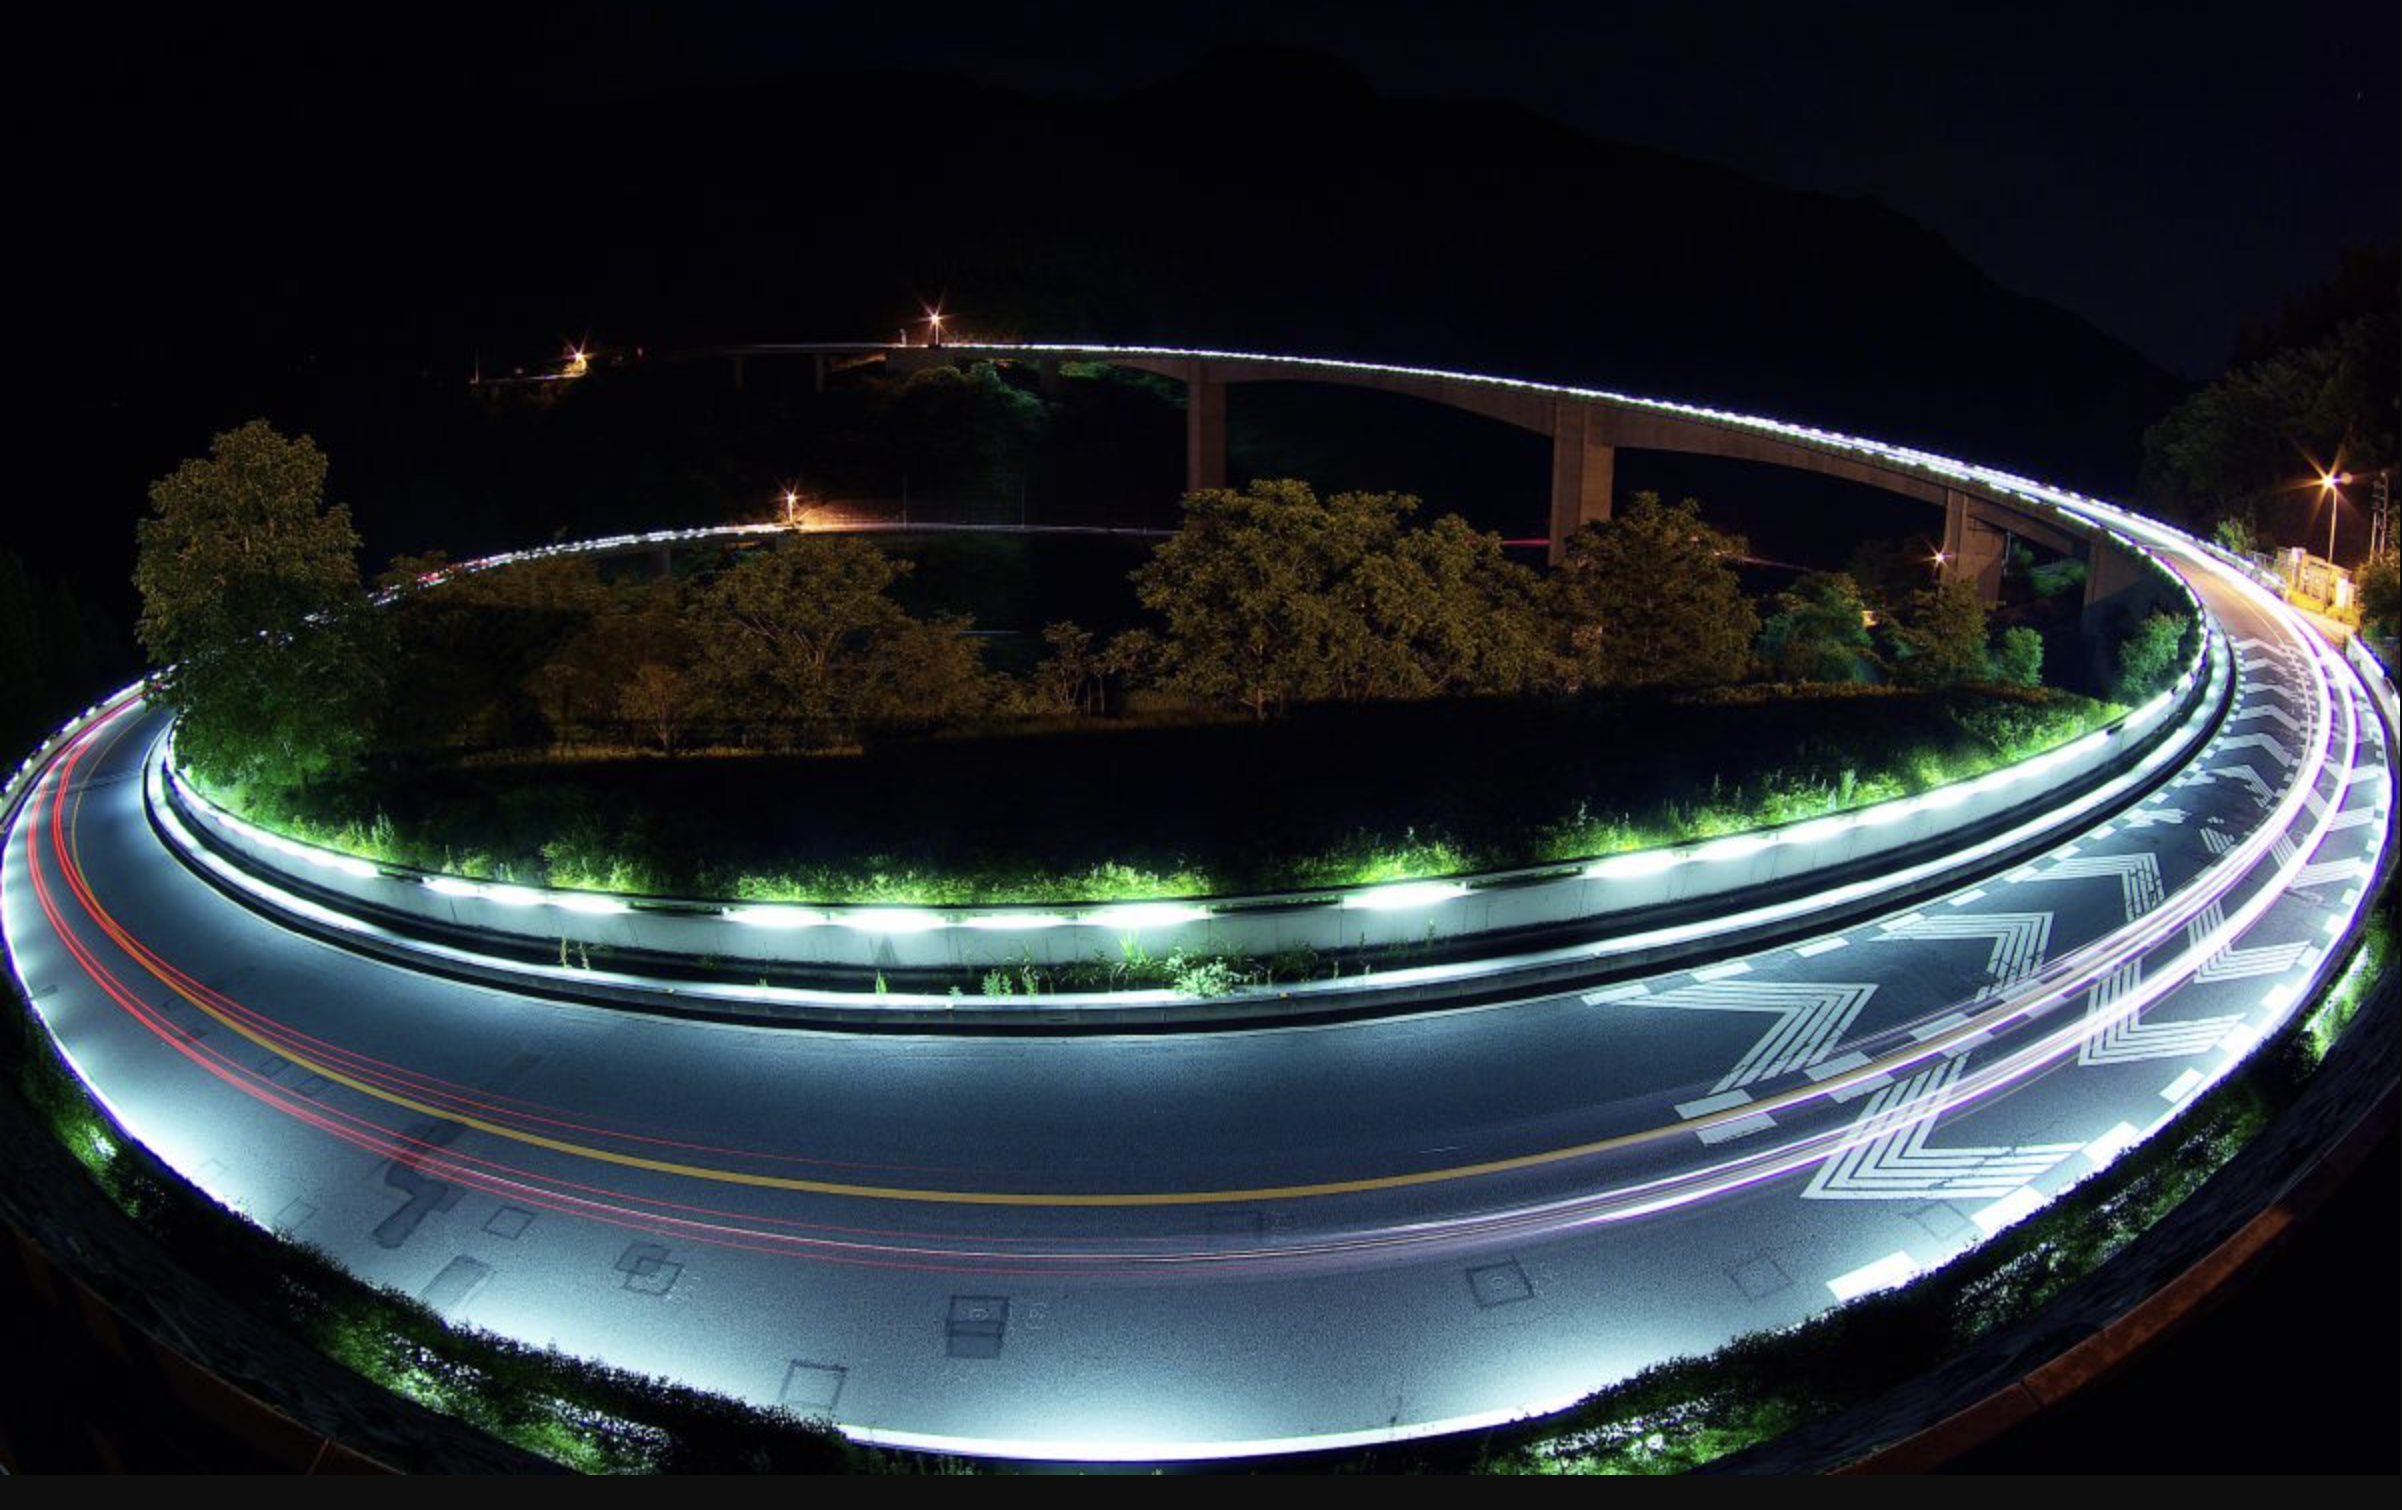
(1216, 1243)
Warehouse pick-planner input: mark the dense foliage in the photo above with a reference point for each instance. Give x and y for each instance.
(2149, 657)
(665, 722)
(1274, 596)
(251, 604)
(1650, 598)
(2317, 385)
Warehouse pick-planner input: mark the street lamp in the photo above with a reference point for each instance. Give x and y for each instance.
(792, 503)
(2331, 486)
(934, 327)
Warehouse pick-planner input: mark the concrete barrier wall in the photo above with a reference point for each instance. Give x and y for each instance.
(1621, 891)
(2376, 676)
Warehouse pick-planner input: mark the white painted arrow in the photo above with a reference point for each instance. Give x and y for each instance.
(1811, 1018)
(1892, 1162)
(2277, 752)
(2145, 817)
(2232, 962)
(2138, 877)
(2319, 872)
(2292, 724)
(2130, 1039)
(2019, 938)
(2261, 790)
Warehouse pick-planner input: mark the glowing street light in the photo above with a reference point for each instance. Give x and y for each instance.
(2331, 487)
(934, 327)
(792, 508)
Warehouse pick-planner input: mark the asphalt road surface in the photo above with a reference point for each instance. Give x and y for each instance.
(1204, 1244)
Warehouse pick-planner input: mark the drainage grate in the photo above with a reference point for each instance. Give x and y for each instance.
(1760, 1278)
(647, 1270)
(975, 1324)
(1500, 1284)
(1939, 1219)
(509, 1222)
(812, 1388)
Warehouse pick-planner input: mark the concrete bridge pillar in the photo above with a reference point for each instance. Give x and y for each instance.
(1975, 548)
(1584, 467)
(2118, 592)
(1204, 431)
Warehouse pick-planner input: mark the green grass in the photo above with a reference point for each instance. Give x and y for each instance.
(2334, 1013)
(1150, 808)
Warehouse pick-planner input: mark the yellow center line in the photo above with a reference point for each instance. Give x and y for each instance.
(159, 969)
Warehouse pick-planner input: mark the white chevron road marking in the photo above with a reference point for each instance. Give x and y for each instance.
(2238, 963)
(2131, 1039)
(2138, 877)
(2276, 751)
(1895, 1163)
(2292, 724)
(2320, 872)
(2261, 790)
(2232, 963)
(1811, 1017)
(2019, 938)
(2144, 817)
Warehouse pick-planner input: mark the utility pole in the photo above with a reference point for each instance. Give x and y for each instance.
(2381, 528)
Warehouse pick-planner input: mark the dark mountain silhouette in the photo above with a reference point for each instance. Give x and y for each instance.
(274, 229)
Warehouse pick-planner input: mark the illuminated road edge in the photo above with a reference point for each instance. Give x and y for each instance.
(2179, 938)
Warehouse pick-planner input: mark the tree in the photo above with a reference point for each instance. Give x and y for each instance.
(1069, 677)
(1264, 598)
(2019, 661)
(2233, 532)
(789, 634)
(2148, 657)
(2380, 596)
(922, 673)
(1888, 571)
(1819, 632)
(1274, 595)
(1938, 638)
(1651, 598)
(657, 700)
(1459, 616)
(252, 607)
(2318, 385)
(580, 685)
(965, 432)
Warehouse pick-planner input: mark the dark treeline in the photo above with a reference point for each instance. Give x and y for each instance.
(492, 720)
(57, 653)
(1263, 600)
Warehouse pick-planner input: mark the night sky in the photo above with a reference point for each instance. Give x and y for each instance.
(2163, 171)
